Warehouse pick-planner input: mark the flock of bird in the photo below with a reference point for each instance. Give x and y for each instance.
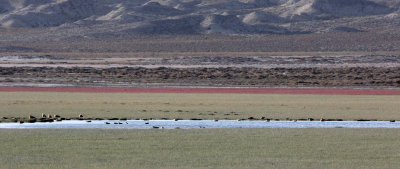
(146, 121)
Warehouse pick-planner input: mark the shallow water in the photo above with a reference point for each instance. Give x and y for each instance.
(190, 124)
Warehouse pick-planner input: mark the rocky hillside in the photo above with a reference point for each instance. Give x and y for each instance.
(94, 17)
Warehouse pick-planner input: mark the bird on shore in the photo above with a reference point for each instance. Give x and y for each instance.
(31, 117)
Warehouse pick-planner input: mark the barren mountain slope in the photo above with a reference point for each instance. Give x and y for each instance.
(200, 16)
(327, 9)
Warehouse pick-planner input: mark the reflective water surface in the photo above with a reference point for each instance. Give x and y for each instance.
(190, 124)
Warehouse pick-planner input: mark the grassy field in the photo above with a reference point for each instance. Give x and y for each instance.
(204, 106)
(201, 148)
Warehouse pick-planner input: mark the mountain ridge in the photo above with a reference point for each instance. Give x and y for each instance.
(200, 16)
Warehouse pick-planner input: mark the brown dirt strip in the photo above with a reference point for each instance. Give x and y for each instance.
(312, 91)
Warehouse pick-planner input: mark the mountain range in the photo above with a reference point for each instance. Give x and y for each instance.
(103, 17)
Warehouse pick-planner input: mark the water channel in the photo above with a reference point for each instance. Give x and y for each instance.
(192, 124)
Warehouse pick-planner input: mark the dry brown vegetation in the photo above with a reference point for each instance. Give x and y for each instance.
(357, 76)
(195, 105)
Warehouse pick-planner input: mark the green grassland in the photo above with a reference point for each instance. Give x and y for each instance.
(200, 148)
(203, 106)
